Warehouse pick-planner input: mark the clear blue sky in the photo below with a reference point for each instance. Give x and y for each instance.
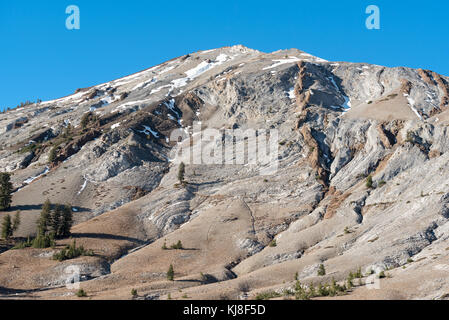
(40, 58)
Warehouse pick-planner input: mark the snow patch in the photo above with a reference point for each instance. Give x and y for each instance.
(411, 103)
(171, 105)
(147, 130)
(194, 73)
(130, 104)
(207, 51)
(281, 62)
(178, 83)
(144, 84)
(291, 93)
(115, 126)
(167, 69)
(205, 66)
(30, 180)
(79, 96)
(316, 59)
(334, 83)
(83, 186)
(347, 104)
(160, 88)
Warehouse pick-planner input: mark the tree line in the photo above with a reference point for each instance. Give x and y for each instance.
(55, 221)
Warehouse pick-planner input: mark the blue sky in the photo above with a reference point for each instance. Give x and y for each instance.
(40, 58)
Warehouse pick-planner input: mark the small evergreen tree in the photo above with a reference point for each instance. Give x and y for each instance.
(85, 120)
(181, 172)
(321, 270)
(349, 280)
(53, 154)
(369, 181)
(177, 246)
(334, 288)
(312, 291)
(81, 293)
(5, 191)
(43, 241)
(7, 229)
(67, 134)
(323, 290)
(56, 220)
(67, 221)
(72, 252)
(171, 273)
(45, 219)
(359, 274)
(16, 222)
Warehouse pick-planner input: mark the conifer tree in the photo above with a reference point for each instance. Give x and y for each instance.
(67, 221)
(45, 219)
(53, 154)
(171, 273)
(181, 172)
(321, 270)
(16, 222)
(5, 191)
(7, 227)
(56, 220)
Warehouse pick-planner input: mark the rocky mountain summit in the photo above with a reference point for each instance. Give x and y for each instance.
(362, 180)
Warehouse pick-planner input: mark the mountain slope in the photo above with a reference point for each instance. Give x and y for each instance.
(338, 124)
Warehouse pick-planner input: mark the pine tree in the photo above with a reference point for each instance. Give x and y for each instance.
(7, 227)
(81, 293)
(16, 222)
(171, 273)
(349, 280)
(312, 291)
(177, 246)
(67, 221)
(67, 132)
(56, 221)
(321, 270)
(53, 154)
(369, 182)
(5, 191)
(181, 172)
(45, 219)
(43, 241)
(87, 119)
